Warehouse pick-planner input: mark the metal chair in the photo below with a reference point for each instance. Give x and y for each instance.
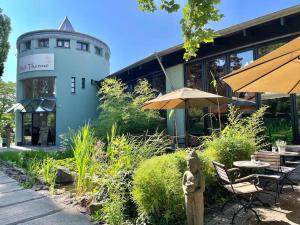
(243, 190)
(274, 160)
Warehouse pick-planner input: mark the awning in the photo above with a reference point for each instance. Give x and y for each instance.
(34, 106)
(14, 108)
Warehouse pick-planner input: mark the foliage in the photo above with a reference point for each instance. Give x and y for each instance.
(4, 44)
(7, 99)
(125, 109)
(84, 154)
(122, 155)
(238, 140)
(157, 188)
(24, 159)
(48, 171)
(196, 15)
(279, 129)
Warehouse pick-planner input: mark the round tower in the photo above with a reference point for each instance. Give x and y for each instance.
(55, 81)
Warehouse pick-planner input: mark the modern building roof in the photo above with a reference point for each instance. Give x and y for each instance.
(66, 25)
(223, 33)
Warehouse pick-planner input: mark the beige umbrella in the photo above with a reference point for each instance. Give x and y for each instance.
(277, 72)
(186, 97)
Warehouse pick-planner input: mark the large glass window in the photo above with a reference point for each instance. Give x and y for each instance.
(263, 50)
(193, 75)
(215, 71)
(240, 60)
(278, 116)
(43, 87)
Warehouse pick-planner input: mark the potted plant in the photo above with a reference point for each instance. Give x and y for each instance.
(281, 145)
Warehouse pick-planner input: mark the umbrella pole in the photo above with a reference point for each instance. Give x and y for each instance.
(175, 129)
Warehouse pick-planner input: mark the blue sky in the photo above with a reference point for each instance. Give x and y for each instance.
(131, 34)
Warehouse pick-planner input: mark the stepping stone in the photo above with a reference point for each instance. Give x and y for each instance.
(10, 187)
(65, 217)
(27, 211)
(11, 198)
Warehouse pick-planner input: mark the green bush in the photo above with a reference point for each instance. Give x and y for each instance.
(157, 188)
(125, 109)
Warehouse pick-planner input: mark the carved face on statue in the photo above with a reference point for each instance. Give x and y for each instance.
(193, 165)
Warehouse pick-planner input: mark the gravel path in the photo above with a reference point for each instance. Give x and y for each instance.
(28, 207)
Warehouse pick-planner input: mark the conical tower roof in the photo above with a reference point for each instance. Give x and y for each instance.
(66, 25)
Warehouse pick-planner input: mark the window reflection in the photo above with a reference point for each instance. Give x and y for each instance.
(39, 88)
(193, 75)
(238, 61)
(215, 71)
(269, 48)
(278, 115)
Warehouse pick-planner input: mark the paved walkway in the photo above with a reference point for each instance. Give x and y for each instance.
(26, 207)
(30, 148)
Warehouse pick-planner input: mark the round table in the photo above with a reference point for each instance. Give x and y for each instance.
(251, 164)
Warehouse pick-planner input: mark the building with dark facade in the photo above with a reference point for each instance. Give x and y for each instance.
(236, 47)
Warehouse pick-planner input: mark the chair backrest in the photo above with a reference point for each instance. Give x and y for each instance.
(221, 172)
(272, 158)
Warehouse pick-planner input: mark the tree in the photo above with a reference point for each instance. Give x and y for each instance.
(7, 99)
(4, 45)
(196, 15)
(117, 106)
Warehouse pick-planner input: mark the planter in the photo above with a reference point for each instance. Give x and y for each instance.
(281, 149)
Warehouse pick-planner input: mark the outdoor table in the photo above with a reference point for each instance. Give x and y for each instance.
(251, 164)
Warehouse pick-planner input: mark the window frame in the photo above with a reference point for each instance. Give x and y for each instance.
(80, 44)
(73, 85)
(26, 45)
(100, 51)
(83, 83)
(63, 41)
(43, 40)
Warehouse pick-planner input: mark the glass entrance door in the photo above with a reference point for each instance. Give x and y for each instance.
(32, 123)
(38, 120)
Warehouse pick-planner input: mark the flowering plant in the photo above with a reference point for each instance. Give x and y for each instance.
(280, 143)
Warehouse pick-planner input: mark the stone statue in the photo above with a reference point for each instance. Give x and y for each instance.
(8, 131)
(43, 134)
(193, 185)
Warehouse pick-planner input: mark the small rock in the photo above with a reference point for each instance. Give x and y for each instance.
(85, 200)
(95, 207)
(63, 176)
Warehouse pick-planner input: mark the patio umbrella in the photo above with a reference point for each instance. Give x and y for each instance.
(186, 97)
(276, 72)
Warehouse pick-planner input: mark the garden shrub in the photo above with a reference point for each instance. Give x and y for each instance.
(157, 188)
(125, 108)
(240, 138)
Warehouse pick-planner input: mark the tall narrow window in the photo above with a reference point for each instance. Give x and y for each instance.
(73, 85)
(83, 83)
